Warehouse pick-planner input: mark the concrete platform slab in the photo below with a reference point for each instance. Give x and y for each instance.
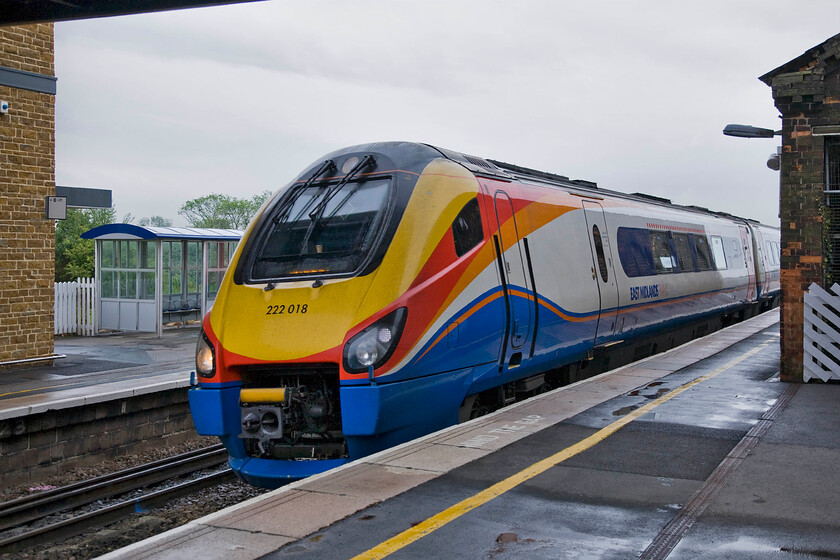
(217, 544)
(375, 481)
(292, 514)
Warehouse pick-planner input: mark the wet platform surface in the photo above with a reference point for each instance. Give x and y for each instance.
(101, 368)
(699, 452)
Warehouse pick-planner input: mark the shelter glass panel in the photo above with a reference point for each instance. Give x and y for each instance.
(218, 259)
(121, 263)
(109, 283)
(128, 285)
(108, 256)
(147, 285)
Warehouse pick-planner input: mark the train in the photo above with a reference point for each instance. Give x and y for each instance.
(396, 288)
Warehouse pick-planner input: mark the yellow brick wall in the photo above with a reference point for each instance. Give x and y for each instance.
(27, 175)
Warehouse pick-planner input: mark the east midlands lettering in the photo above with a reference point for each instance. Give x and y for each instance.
(644, 292)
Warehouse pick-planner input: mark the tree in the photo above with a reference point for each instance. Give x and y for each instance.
(74, 255)
(222, 211)
(155, 221)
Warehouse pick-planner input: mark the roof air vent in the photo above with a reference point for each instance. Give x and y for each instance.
(477, 161)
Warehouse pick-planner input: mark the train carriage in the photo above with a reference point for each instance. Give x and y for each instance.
(394, 289)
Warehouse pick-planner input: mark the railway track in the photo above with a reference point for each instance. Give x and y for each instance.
(25, 522)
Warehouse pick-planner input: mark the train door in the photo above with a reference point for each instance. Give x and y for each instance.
(603, 271)
(516, 280)
(749, 262)
(761, 264)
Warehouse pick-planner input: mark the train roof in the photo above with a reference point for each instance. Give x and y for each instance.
(508, 171)
(414, 156)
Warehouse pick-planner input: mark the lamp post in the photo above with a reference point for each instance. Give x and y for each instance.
(774, 162)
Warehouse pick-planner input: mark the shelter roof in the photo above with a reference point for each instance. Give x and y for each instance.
(131, 231)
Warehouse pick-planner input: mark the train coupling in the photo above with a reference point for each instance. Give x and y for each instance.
(262, 414)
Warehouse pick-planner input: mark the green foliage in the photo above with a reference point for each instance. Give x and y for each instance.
(155, 221)
(74, 255)
(222, 211)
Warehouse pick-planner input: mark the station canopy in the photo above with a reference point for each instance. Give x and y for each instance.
(151, 277)
(23, 12)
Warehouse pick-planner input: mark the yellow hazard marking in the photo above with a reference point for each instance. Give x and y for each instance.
(23, 391)
(437, 521)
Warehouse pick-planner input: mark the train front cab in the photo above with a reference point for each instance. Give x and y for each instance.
(337, 324)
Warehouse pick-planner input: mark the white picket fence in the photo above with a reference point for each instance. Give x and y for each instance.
(821, 342)
(74, 307)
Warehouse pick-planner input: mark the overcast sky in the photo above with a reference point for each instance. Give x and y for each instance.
(163, 108)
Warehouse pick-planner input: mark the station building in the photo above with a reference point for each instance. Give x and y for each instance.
(806, 91)
(27, 177)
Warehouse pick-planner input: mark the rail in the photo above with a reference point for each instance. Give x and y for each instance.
(22, 511)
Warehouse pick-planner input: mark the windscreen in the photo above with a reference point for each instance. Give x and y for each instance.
(323, 229)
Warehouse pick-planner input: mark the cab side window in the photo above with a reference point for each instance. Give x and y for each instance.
(466, 229)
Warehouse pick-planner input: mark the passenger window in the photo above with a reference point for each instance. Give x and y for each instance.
(634, 252)
(684, 254)
(662, 259)
(704, 253)
(599, 252)
(718, 252)
(466, 229)
(772, 252)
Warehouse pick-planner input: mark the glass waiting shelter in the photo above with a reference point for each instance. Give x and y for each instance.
(149, 277)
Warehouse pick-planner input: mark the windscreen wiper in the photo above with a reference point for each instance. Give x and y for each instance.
(318, 212)
(324, 167)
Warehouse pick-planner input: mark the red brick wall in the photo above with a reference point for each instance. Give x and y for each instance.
(27, 164)
(807, 97)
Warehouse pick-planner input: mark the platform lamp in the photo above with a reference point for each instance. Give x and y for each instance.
(774, 162)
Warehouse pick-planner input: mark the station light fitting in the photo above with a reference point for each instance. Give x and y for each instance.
(747, 131)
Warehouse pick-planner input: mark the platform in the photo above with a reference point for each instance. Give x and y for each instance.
(699, 452)
(100, 368)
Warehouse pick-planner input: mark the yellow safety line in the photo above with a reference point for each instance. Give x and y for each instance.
(437, 521)
(35, 389)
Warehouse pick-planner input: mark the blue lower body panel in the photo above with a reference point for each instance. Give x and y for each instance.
(273, 473)
(374, 417)
(379, 416)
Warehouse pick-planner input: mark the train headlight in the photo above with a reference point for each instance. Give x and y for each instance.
(205, 357)
(374, 345)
